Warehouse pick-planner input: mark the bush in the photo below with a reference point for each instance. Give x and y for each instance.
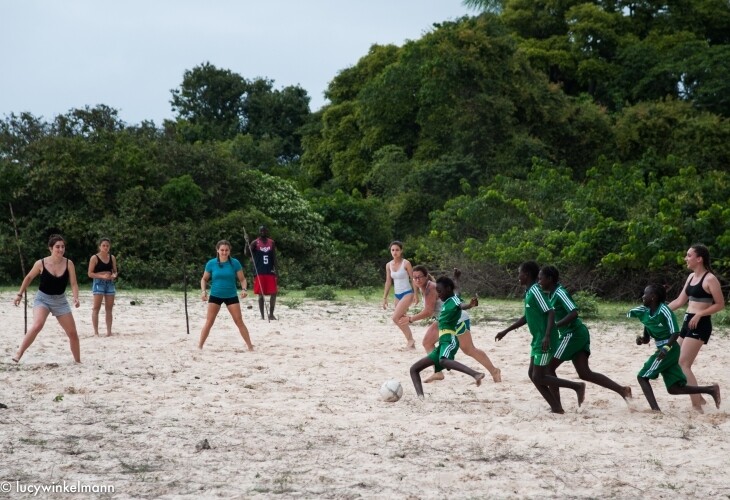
(587, 304)
(320, 292)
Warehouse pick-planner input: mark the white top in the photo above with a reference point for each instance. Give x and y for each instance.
(401, 280)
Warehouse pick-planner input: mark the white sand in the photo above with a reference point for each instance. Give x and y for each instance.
(300, 416)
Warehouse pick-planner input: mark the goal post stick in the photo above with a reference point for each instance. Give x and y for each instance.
(22, 267)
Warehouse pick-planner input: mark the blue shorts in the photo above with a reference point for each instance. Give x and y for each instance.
(57, 304)
(463, 327)
(401, 295)
(103, 287)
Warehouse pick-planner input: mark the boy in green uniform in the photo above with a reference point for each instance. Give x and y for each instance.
(443, 355)
(540, 318)
(661, 324)
(574, 341)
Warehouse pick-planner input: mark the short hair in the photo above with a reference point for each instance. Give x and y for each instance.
(445, 281)
(659, 291)
(551, 272)
(531, 268)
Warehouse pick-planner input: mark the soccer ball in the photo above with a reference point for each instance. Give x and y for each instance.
(391, 391)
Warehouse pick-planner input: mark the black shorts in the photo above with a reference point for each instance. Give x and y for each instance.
(702, 332)
(217, 300)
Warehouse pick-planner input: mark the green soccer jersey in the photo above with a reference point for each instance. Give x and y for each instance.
(563, 304)
(450, 314)
(661, 325)
(536, 309)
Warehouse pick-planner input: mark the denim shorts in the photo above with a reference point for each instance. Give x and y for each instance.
(103, 287)
(57, 304)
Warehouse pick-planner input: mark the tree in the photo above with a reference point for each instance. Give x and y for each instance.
(209, 103)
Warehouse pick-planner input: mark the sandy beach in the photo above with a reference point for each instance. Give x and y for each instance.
(151, 416)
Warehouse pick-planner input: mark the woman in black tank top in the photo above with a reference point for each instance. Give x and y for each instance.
(56, 273)
(703, 295)
(103, 272)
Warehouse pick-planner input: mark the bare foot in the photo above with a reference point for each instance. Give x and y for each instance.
(250, 347)
(411, 344)
(433, 378)
(716, 395)
(698, 408)
(626, 393)
(497, 375)
(96, 334)
(478, 377)
(271, 316)
(703, 401)
(15, 359)
(581, 392)
(557, 410)
(109, 334)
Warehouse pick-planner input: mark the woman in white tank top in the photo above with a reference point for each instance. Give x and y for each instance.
(398, 274)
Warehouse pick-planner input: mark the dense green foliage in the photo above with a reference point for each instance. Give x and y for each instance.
(592, 135)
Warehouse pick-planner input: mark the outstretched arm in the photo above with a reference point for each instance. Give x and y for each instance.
(514, 326)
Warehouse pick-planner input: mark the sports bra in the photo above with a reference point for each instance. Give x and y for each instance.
(53, 285)
(698, 294)
(102, 266)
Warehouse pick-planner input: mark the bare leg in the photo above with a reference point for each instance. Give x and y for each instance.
(712, 390)
(261, 305)
(540, 375)
(401, 307)
(272, 304)
(415, 372)
(585, 373)
(555, 390)
(108, 306)
(466, 344)
(450, 364)
(648, 392)
(544, 390)
(209, 320)
(95, 307)
(69, 326)
(39, 319)
(235, 310)
(430, 339)
(690, 348)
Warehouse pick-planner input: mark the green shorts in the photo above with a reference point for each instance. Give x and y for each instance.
(571, 343)
(447, 348)
(668, 367)
(539, 357)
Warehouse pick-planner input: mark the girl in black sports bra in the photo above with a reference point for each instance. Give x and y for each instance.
(703, 296)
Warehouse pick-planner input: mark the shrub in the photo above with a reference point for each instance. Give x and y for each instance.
(587, 304)
(320, 292)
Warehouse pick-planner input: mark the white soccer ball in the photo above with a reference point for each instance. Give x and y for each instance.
(391, 391)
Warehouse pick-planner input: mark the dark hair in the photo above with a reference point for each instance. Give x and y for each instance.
(103, 239)
(396, 242)
(659, 291)
(702, 251)
(445, 281)
(531, 268)
(551, 272)
(217, 246)
(55, 238)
